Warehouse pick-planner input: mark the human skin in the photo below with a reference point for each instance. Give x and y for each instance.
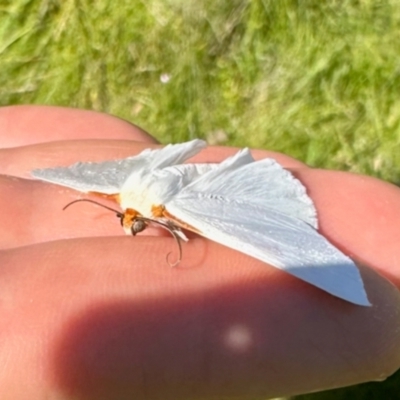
(87, 313)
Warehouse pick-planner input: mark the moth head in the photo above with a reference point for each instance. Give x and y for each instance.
(133, 223)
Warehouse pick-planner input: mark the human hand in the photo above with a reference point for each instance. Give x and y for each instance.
(88, 313)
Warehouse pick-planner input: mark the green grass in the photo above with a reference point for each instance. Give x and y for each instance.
(317, 80)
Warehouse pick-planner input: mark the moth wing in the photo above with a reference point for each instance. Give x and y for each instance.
(105, 177)
(278, 239)
(264, 182)
(108, 177)
(173, 154)
(187, 173)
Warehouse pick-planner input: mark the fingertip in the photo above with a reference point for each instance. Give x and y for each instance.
(381, 337)
(26, 125)
(358, 214)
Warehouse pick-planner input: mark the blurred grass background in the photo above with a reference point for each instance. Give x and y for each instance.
(319, 80)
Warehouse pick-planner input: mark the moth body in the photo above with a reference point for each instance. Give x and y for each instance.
(144, 193)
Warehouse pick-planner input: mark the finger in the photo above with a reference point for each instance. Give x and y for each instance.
(23, 125)
(20, 161)
(33, 212)
(107, 318)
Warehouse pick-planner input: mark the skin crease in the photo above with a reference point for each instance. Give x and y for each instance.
(87, 313)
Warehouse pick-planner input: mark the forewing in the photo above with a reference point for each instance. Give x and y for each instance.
(105, 177)
(173, 154)
(283, 241)
(108, 177)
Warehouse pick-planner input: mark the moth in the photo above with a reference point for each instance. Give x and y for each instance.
(255, 207)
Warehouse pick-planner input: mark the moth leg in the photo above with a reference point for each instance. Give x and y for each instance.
(158, 210)
(176, 230)
(179, 223)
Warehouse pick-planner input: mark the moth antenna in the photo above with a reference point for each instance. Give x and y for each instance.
(119, 214)
(171, 228)
(178, 241)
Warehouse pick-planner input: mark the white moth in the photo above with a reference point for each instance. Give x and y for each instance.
(255, 207)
